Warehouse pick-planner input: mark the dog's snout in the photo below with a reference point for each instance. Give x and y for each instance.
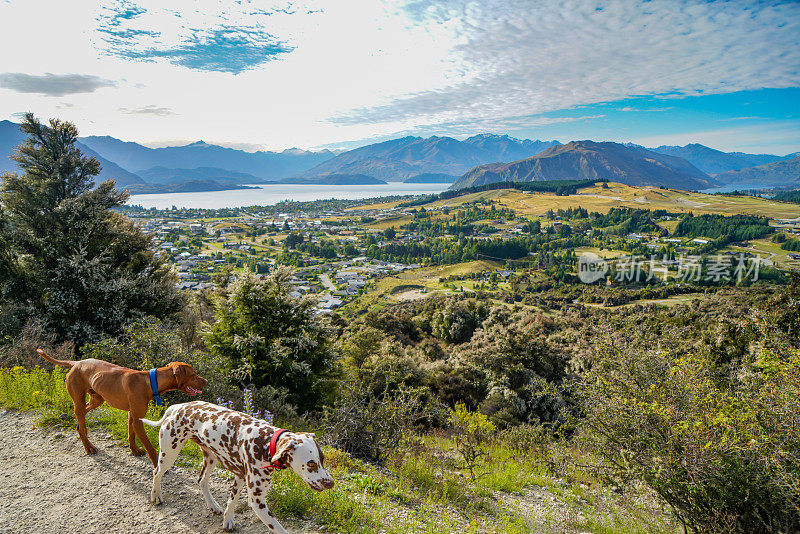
(328, 483)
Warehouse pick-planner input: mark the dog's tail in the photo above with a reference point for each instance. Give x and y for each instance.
(66, 363)
(148, 422)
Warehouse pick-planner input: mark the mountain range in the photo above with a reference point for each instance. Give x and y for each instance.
(263, 165)
(334, 179)
(406, 157)
(11, 137)
(631, 165)
(778, 173)
(163, 175)
(478, 159)
(713, 161)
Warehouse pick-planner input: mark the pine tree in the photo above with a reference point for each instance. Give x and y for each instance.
(66, 258)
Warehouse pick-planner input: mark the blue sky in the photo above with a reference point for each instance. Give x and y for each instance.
(277, 74)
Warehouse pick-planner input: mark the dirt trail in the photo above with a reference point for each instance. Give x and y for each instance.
(48, 485)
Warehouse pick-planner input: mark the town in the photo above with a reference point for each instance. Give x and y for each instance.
(350, 254)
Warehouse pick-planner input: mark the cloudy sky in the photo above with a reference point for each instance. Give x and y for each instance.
(273, 75)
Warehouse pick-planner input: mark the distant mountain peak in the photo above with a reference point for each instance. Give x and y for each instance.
(405, 157)
(778, 173)
(295, 151)
(487, 135)
(587, 159)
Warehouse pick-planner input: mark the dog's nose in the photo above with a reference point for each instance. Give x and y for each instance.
(328, 483)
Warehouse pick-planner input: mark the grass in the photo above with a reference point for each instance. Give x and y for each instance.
(378, 206)
(420, 491)
(603, 253)
(426, 277)
(601, 200)
(383, 224)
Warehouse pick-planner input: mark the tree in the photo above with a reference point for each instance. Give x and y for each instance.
(293, 239)
(65, 257)
(269, 338)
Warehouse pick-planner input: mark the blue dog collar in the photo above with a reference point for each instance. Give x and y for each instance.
(154, 387)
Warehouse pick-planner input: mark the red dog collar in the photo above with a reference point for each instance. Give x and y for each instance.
(272, 444)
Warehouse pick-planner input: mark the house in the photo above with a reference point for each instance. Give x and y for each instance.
(329, 303)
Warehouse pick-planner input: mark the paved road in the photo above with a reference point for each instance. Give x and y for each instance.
(326, 281)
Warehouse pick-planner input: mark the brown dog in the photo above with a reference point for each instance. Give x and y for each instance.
(124, 389)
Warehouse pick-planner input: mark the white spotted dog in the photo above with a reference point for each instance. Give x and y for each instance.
(247, 447)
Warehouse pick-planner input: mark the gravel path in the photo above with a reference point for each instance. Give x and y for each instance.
(48, 485)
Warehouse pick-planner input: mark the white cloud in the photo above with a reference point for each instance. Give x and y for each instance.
(525, 57)
(148, 110)
(360, 69)
(53, 84)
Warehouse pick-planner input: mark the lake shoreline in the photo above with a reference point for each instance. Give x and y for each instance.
(269, 194)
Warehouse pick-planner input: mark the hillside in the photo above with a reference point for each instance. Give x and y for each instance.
(400, 159)
(708, 160)
(264, 165)
(761, 159)
(593, 160)
(507, 148)
(779, 173)
(11, 137)
(187, 186)
(165, 175)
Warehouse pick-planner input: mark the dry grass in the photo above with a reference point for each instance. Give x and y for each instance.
(378, 206)
(617, 195)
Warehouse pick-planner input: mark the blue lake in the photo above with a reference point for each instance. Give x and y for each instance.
(272, 194)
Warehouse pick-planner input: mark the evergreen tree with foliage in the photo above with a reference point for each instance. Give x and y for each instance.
(267, 337)
(66, 258)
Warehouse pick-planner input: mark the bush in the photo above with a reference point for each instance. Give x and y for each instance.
(723, 451)
(21, 349)
(264, 336)
(68, 258)
(456, 322)
(143, 345)
(472, 432)
(369, 426)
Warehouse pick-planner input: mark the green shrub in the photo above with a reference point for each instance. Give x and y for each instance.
(723, 451)
(37, 389)
(265, 337)
(143, 345)
(369, 426)
(472, 433)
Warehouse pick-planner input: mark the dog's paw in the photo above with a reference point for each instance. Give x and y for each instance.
(216, 509)
(137, 452)
(229, 525)
(91, 449)
(156, 499)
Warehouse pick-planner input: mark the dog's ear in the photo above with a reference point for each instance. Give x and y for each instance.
(283, 455)
(319, 449)
(181, 374)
